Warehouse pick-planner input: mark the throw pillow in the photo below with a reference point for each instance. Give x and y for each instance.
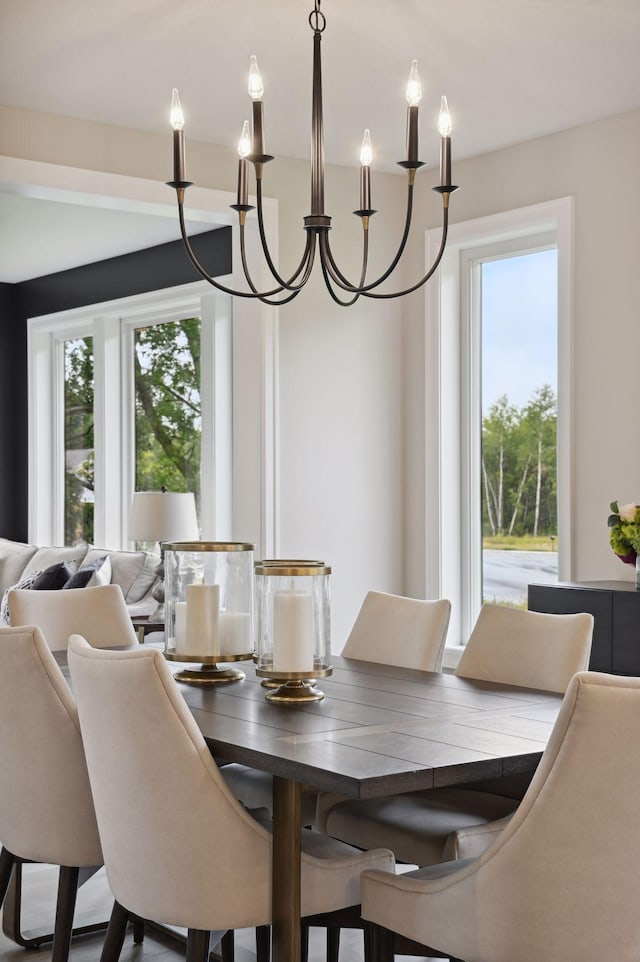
(55, 576)
(24, 584)
(92, 574)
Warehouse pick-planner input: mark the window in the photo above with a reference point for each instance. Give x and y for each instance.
(473, 413)
(168, 415)
(78, 440)
(142, 398)
(518, 319)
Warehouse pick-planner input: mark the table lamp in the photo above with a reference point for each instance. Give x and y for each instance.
(163, 516)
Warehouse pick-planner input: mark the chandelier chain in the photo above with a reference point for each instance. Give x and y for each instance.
(317, 20)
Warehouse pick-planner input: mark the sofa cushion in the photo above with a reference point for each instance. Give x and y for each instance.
(14, 557)
(55, 576)
(92, 574)
(134, 571)
(44, 557)
(26, 582)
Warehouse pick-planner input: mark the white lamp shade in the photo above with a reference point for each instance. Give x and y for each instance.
(163, 516)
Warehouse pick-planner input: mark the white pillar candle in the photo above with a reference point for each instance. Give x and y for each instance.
(203, 606)
(180, 626)
(234, 632)
(292, 631)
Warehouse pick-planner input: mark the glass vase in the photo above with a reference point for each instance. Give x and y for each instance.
(638, 572)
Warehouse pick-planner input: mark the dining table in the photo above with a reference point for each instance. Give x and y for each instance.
(380, 730)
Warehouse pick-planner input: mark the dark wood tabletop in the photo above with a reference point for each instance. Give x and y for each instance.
(380, 730)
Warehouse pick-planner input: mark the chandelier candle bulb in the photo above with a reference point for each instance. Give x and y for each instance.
(256, 91)
(203, 607)
(292, 631)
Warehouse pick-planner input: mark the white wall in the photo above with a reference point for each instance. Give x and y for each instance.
(597, 164)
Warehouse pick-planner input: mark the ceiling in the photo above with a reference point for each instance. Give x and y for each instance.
(512, 70)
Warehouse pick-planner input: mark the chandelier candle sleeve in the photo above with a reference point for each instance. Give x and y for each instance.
(365, 172)
(177, 122)
(444, 127)
(244, 149)
(414, 96)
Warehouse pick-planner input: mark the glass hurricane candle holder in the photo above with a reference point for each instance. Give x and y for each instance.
(209, 608)
(293, 631)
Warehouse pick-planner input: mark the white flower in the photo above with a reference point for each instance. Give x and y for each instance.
(627, 512)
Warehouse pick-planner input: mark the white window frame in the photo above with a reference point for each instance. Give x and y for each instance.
(453, 558)
(112, 326)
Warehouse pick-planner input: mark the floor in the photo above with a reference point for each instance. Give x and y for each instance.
(95, 900)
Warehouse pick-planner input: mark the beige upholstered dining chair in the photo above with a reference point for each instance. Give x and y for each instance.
(507, 645)
(99, 614)
(46, 809)
(389, 630)
(196, 858)
(560, 881)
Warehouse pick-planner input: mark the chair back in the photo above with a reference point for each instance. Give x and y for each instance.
(178, 847)
(98, 614)
(561, 881)
(46, 809)
(527, 648)
(393, 630)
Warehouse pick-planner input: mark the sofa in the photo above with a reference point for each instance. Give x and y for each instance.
(134, 571)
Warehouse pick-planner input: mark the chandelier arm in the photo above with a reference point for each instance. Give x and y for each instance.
(309, 254)
(287, 285)
(220, 287)
(331, 269)
(342, 281)
(334, 296)
(430, 272)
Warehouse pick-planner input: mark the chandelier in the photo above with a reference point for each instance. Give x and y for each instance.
(317, 224)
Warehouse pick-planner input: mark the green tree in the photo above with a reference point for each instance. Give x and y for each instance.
(497, 434)
(167, 406)
(78, 439)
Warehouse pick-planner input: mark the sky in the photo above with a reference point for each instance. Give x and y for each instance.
(519, 327)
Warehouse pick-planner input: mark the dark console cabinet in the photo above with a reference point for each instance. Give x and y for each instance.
(615, 606)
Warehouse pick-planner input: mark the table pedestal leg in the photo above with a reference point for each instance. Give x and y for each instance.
(287, 815)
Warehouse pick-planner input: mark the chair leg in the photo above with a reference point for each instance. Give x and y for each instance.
(198, 945)
(138, 929)
(114, 939)
(382, 943)
(304, 941)
(67, 893)
(7, 861)
(227, 946)
(368, 942)
(263, 944)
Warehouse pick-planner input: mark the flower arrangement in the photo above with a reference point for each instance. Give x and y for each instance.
(624, 534)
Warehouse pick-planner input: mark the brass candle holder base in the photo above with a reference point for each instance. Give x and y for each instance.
(209, 673)
(295, 692)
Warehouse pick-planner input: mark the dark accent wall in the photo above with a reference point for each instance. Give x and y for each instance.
(156, 268)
